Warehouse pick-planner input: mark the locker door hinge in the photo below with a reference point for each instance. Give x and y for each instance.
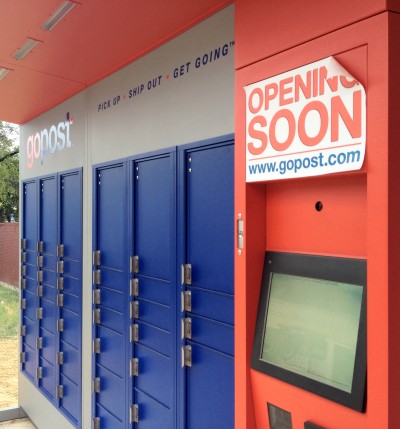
(134, 367)
(97, 316)
(134, 413)
(39, 343)
(23, 283)
(40, 246)
(23, 257)
(134, 264)
(187, 300)
(135, 332)
(96, 257)
(40, 261)
(60, 325)
(96, 385)
(60, 358)
(39, 372)
(60, 391)
(135, 310)
(97, 277)
(60, 283)
(60, 300)
(39, 291)
(187, 274)
(134, 287)
(39, 313)
(23, 243)
(60, 267)
(187, 356)
(23, 304)
(96, 345)
(60, 251)
(22, 357)
(23, 330)
(187, 328)
(23, 270)
(40, 276)
(96, 423)
(96, 297)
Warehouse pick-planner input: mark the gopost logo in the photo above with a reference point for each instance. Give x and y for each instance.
(49, 141)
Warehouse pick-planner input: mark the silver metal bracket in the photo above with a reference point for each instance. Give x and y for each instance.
(97, 277)
(187, 356)
(60, 300)
(40, 246)
(96, 257)
(60, 358)
(96, 345)
(60, 250)
(40, 276)
(97, 316)
(39, 291)
(40, 261)
(22, 357)
(59, 391)
(96, 385)
(134, 367)
(187, 328)
(39, 313)
(187, 300)
(60, 325)
(60, 283)
(134, 287)
(39, 343)
(187, 274)
(135, 310)
(39, 372)
(96, 297)
(23, 330)
(134, 264)
(135, 332)
(60, 267)
(134, 413)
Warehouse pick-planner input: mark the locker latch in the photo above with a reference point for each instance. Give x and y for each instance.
(187, 274)
(134, 264)
(134, 413)
(187, 328)
(134, 367)
(187, 356)
(96, 257)
(187, 301)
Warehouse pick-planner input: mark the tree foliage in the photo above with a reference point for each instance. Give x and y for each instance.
(9, 173)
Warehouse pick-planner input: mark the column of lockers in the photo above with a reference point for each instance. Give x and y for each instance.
(51, 283)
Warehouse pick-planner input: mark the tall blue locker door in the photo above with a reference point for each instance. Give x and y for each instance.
(29, 299)
(208, 316)
(110, 299)
(153, 287)
(47, 311)
(69, 295)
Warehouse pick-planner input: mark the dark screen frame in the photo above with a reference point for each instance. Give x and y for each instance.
(341, 270)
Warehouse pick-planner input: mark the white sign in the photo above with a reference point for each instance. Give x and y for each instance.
(306, 122)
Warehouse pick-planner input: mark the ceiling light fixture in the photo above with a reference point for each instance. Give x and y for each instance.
(58, 15)
(3, 72)
(25, 49)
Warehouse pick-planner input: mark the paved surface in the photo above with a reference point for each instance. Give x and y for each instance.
(17, 424)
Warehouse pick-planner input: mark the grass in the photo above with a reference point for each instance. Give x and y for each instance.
(9, 311)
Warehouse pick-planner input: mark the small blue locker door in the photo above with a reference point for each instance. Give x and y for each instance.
(110, 298)
(29, 299)
(47, 285)
(208, 315)
(153, 285)
(69, 295)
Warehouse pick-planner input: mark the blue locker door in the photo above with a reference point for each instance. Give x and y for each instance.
(111, 299)
(209, 250)
(47, 285)
(69, 285)
(29, 304)
(153, 304)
